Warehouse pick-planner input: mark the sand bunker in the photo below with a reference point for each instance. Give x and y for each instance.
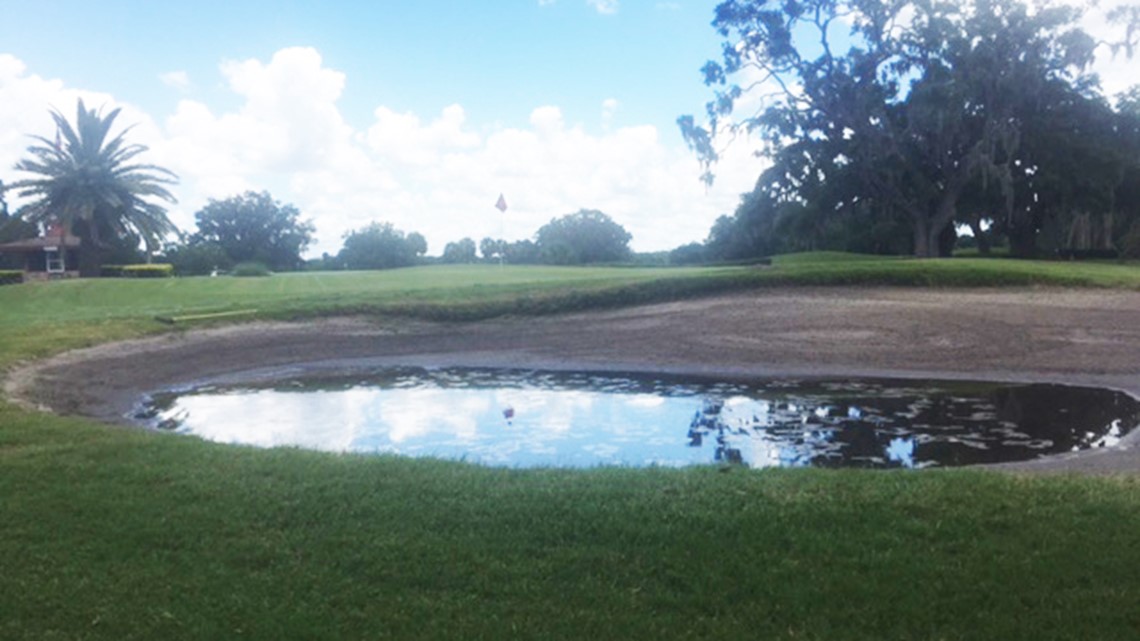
(1087, 337)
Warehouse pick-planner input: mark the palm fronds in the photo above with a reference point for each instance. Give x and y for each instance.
(84, 178)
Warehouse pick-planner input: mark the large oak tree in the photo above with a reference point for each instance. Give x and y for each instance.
(902, 108)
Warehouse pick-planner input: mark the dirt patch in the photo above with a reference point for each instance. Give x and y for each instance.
(1087, 337)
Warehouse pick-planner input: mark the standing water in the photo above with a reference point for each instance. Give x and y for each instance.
(527, 419)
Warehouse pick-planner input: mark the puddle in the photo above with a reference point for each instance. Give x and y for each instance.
(527, 419)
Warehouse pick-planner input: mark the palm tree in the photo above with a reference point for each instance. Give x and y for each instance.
(86, 183)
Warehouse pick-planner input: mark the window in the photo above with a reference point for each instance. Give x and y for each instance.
(54, 260)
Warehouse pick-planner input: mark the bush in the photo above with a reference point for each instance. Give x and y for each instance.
(155, 270)
(11, 276)
(197, 259)
(250, 268)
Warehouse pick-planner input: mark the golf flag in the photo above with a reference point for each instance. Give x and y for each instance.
(502, 204)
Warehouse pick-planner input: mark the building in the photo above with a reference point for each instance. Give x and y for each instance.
(53, 255)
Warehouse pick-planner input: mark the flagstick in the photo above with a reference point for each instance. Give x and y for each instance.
(501, 205)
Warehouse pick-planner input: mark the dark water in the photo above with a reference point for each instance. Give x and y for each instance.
(529, 419)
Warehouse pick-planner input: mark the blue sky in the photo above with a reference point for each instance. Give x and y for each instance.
(498, 59)
(415, 113)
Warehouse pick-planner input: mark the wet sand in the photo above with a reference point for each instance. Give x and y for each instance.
(1080, 337)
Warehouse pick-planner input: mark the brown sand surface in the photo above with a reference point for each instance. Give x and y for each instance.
(1086, 337)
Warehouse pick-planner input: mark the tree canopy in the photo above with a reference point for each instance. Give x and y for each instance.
(381, 246)
(12, 228)
(883, 115)
(460, 251)
(255, 227)
(92, 184)
(586, 236)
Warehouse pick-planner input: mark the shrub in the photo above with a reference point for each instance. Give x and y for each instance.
(250, 268)
(156, 270)
(198, 259)
(11, 276)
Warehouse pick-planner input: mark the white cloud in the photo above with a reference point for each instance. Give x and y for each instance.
(439, 176)
(609, 108)
(605, 7)
(1117, 73)
(403, 137)
(179, 80)
(291, 104)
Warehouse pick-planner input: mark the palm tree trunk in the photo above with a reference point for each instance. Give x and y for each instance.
(90, 253)
(90, 262)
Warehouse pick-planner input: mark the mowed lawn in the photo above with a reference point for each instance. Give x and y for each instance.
(108, 533)
(46, 317)
(99, 299)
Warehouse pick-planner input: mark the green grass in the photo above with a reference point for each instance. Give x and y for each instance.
(82, 300)
(451, 286)
(40, 318)
(126, 535)
(108, 533)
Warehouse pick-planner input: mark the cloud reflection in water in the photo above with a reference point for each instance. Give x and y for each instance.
(584, 420)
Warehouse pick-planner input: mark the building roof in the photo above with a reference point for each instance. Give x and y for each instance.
(38, 244)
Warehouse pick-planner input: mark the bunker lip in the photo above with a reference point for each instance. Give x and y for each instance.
(1078, 337)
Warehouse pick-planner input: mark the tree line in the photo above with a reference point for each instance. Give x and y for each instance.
(255, 228)
(586, 236)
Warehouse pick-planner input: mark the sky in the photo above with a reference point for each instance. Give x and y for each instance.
(415, 113)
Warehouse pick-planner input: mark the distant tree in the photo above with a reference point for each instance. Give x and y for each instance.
(381, 246)
(417, 244)
(197, 258)
(690, 254)
(254, 227)
(327, 262)
(460, 251)
(521, 252)
(124, 250)
(492, 249)
(587, 236)
(13, 228)
(92, 185)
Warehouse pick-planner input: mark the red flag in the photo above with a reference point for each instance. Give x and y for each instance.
(502, 204)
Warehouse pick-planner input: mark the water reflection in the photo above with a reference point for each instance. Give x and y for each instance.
(541, 418)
